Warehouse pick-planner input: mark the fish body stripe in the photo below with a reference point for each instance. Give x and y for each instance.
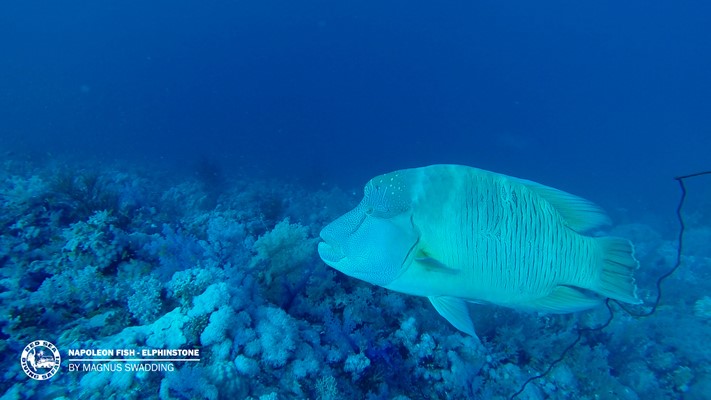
(509, 244)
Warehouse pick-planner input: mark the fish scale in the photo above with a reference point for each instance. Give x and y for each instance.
(461, 235)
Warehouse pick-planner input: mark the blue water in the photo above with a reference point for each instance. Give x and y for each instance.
(144, 139)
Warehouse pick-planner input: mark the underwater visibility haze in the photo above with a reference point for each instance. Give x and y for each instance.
(178, 178)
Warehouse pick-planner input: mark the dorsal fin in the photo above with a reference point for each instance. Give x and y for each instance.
(579, 214)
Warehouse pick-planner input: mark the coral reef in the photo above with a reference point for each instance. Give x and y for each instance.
(96, 260)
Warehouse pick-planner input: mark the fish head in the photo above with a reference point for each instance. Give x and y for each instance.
(375, 241)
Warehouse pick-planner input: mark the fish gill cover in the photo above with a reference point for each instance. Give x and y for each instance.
(167, 168)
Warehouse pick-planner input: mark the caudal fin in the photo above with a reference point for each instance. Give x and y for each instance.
(618, 266)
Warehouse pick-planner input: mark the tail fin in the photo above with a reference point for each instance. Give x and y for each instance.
(618, 266)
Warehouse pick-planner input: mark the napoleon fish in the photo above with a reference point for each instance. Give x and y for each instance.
(460, 235)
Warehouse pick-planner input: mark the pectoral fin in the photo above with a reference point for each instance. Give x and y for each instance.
(455, 311)
(433, 264)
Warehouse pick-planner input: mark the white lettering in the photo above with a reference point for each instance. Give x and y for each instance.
(150, 367)
(108, 367)
(125, 353)
(170, 353)
(91, 352)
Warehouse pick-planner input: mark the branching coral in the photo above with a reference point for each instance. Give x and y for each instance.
(161, 268)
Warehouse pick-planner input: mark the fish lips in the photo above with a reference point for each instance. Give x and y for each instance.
(330, 254)
(334, 257)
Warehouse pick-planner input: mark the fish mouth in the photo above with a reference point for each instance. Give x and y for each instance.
(330, 254)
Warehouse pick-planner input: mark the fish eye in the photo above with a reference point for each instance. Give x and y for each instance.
(377, 211)
(377, 200)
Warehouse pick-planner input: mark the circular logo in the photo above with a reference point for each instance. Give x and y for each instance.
(40, 360)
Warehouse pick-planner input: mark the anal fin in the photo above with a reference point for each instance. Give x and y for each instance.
(563, 300)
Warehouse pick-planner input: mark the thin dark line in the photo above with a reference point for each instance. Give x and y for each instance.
(682, 228)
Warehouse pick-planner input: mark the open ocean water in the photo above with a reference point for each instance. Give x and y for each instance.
(167, 167)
